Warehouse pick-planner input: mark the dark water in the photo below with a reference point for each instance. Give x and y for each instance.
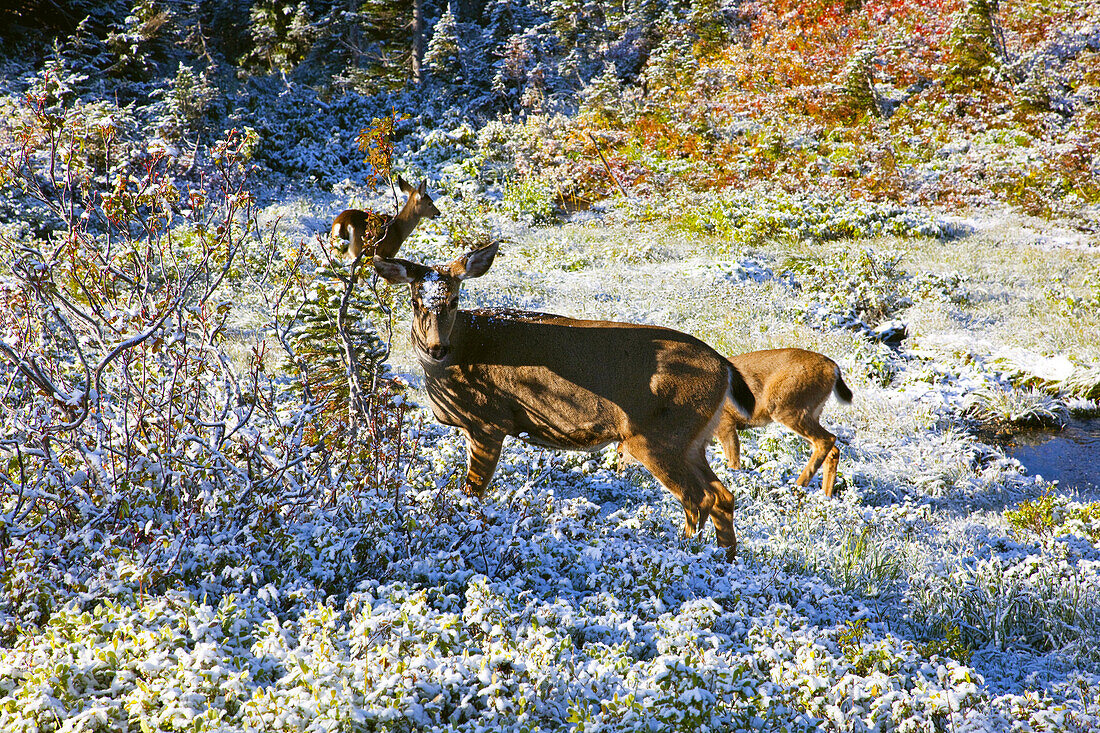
(1070, 456)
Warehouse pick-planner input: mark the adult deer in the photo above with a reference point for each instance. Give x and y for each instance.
(791, 387)
(356, 226)
(571, 384)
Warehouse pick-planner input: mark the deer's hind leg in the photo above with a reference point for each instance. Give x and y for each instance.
(719, 502)
(828, 473)
(688, 476)
(721, 512)
(730, 441)
(823, 445)
(675, 472)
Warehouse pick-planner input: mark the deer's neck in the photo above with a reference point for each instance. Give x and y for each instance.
(480, 337)
(402, 225)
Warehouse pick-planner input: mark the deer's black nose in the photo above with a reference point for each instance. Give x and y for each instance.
(438, 352)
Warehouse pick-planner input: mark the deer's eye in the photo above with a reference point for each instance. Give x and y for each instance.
(453, 303)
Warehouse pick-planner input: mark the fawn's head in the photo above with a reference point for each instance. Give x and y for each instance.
(435, 293)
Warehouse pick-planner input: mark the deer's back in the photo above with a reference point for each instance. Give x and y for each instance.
(366, 222)
(572, 383)
(785, 379)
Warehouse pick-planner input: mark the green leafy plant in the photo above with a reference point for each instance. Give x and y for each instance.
(949, 644)
(863, 285)
(467, 222)
(1051, 515)
(1039, 517)
(527, 197)
(975, 43)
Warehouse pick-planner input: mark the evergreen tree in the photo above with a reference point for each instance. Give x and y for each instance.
(503, 21)
(392, 54)
(602, 98)
(30, 26)
(512, 72)
(317, 343)
(975, 45)
(281, 36)
(443, 58)
(640, 34)
(856, 83)
(708, 23)
(580, 28)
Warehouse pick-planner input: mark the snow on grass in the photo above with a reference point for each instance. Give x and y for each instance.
(569, 598)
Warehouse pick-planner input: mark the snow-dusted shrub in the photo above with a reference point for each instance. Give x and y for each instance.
(1051, 515)
(1039, 516)
(529, 198)
(749, 217)
(950, 287)
(121, 410)
(465, 218)
(869, 285)
(304, 137)
(999, 406)
(552, 153)
(146, 420)
(89, 137)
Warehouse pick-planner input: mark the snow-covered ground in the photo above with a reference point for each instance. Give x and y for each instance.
(570, 597)
(198, 534)
(943, 589)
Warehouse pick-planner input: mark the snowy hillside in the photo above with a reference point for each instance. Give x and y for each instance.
(224, 501)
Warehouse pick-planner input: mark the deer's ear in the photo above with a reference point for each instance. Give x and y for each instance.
(404, 186)
(396, 272)
(473, 264)
(423, 188)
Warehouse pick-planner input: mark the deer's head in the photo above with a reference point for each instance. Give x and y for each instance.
(419, 204)
(435, 293)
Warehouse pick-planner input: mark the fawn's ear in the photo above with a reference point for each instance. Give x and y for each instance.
(423, 188)
(404, 186)
(396, 272)
(473, 264)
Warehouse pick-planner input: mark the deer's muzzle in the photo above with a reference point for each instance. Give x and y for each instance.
(439, 351)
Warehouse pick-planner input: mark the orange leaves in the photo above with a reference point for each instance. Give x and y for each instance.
(377, 142)
(866, 98)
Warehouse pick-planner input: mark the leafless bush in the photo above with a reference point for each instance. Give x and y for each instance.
(143, 404)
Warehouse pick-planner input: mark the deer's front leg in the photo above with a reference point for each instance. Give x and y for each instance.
(482, 454)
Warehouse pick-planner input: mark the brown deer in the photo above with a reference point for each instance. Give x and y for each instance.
(358, 228)
(791, 387)
(570, 384)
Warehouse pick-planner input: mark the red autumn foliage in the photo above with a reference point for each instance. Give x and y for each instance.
(879, 99)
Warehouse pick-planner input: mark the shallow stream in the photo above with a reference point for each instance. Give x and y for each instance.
(1070, 456)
